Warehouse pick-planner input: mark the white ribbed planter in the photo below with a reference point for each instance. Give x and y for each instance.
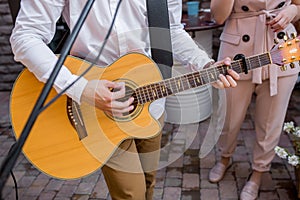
(190, 106)
(193, 105)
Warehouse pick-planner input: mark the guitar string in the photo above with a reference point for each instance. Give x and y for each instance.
(186, 80)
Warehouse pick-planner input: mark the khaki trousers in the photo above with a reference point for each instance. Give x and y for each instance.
(131, 171)
(269, 117)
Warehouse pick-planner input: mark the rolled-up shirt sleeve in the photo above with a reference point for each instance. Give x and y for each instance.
(34, 29)
(185, 50)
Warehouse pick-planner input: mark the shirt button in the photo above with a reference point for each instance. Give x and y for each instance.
(246, 38)
(280, 35)
(245, 8)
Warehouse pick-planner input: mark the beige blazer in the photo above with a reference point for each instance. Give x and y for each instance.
(246, 32)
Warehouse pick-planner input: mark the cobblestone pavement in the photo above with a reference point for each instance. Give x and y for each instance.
(186, 178)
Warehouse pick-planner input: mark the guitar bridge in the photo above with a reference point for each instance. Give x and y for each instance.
(75, 118)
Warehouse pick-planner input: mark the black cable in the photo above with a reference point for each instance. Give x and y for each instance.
(15, 182)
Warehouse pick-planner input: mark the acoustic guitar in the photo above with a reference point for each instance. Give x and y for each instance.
(70, 141)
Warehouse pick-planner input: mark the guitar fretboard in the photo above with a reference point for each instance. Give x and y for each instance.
(171, 86)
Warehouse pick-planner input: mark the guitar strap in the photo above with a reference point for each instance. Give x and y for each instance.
(160, 37)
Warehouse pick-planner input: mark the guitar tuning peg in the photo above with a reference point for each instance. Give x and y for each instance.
(292, 65)
(293, 35)
(285, 38)
(276, 41)
(283, 68)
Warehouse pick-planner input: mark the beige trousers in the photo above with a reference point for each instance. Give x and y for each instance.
(269, 117)
(130, 173)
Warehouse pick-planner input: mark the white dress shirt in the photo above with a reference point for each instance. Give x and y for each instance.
(36, 23)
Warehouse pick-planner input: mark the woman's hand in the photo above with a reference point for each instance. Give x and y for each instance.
(99, 93)
(284, 17)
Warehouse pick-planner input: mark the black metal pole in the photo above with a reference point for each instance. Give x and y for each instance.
(12, 156)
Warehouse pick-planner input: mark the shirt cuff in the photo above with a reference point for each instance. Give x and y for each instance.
(76, 90)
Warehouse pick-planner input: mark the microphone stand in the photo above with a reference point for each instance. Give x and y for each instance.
(13, 154)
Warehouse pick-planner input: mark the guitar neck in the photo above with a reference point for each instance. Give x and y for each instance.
(174, 85)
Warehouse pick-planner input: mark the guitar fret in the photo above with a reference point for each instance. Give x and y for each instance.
(259, 61)
(146, 92)
(267, 59)
(153, 92)
(178, 83)
(241, 67)
(169, 86)
(224, 71)
(165, 90)
(174, 86)
(149, 93)
(138, 96)
(248, 63)
(143, 95)
(216, 73)
(192, 81)
(209, 75)
(171, 89)
(159, 90)
(186, 85)
(205, 78)
(198, 79)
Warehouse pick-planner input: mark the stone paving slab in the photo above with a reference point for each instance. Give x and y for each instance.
(185, 178)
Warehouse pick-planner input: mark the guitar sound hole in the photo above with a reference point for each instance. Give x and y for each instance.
(129, 92)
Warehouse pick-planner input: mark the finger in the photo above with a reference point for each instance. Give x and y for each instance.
(120, 92)
(218, 84)
(112, 84)
(227, 61)
(224, 81)
(231, 81)
(121, 112)
(118, 105)
(280, 23)
(234, 74)
(274, 20)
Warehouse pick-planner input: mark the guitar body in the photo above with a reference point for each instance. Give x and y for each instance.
(55, 146)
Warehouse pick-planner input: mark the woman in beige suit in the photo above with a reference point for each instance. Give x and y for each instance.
(250, 29)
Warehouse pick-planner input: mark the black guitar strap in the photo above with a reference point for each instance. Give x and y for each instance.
(160, 37)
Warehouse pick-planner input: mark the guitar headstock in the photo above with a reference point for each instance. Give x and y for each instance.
(286, 52)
